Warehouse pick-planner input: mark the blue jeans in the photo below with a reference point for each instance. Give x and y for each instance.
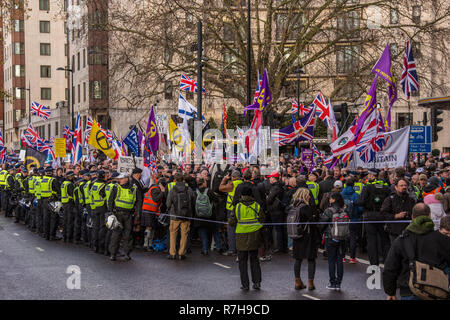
(281, 237)
(205, 235)
(335, 256)
(410, 298)
(231, 235)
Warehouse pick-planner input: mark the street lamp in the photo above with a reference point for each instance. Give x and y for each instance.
(29, 102)
(71, 96)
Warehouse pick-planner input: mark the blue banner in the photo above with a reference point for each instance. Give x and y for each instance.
(131, 140)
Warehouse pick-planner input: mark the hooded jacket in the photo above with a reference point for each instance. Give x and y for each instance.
(349, 194)
(394, 204)
(431, 247)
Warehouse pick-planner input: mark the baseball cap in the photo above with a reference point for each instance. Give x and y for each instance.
(122, 175)
(274, 174)
(338, 184)
(115, 174)
(69, 173)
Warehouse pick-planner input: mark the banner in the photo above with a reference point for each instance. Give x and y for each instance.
(394, 154)
(60, 147)
(162, 123)
(98, 140)
(308, 158)
(132, 141)
(34, 157)
(127, 164)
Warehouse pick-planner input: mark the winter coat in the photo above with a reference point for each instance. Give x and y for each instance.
(247, 241)
(256, 194)
(349, 194)
(274, 202)
(325, 202)
(394, 204)
(432, 248)
(150, 219)
(306, 247)
(172, 200)
(327, 216)
(447, 200)
(436, 208)
(325, 186)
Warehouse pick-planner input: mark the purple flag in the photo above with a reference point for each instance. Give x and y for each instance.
(152, 136)
(383, 68)
(264, 97)
(308, 158)
(370, 105)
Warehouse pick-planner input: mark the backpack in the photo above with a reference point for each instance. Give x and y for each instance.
(349, 207)
(377, 197)
(425, 281)
(339, 229)
(159, 245)
(183, 203)
(203, 206)
(296, 231)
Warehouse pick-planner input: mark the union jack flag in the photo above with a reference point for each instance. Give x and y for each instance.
(301, 109)
(153, 166)
(258, 88)
(67, 133)
(410, 80)
(317, 152)
(40, 110)
(322, 109)
(188, 84)
(25, 141)
(87, 132)
(32, 134)
(300, 130)
(372, 139)
(2, 147)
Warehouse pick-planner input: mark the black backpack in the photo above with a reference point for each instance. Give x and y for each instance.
(183, 202)
(294, 230)
(377, 196)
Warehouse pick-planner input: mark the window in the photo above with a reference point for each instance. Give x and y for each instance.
(348, 88)
(73, 62)
(18, 48)
(228, 34)
(84, 58)
(19, 26)
(78, 60)
(416, 14)
(46, 72)
(49, 130)
(46, 93)
(230, 59)
(347, 59)
(348, 24)
(19, 71)
(189, 20)
(416, 49)
(96, 56)
(394, 15)
(84, 91)
(19, 93)
(79, 93)
(45, 49)
(44, 5)
(282, 25)
(403, 119)
(73, 94)
(168, 90)
(95, 89)
(67, 94)
(44, 26)
(66, 49)
(56, 128)
(394, 49)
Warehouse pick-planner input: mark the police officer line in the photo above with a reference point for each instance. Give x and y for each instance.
(285, 223)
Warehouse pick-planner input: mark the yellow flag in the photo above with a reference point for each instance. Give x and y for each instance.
(98, 140)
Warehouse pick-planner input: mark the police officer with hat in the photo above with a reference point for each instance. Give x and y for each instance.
(68, 202)
(50, 191)
(8, 189)
(122, 203)
(98, 207)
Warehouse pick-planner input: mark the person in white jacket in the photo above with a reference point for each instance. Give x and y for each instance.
(435, 202)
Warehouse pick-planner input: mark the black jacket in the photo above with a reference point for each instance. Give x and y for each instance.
(256, 194)
(325, 186)
(371, 200)
(274, 205)
(395, 204)
(432, 248)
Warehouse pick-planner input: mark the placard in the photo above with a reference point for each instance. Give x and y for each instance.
(60, 147)
(127, 164)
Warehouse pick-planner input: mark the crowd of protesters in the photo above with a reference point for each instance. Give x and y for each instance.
(235, 211)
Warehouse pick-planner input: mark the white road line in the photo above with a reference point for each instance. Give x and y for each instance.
(222, 265)
(310, 297)
(16, 234)
(40, 249)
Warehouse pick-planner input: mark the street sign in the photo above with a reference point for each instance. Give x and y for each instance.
(420, 139)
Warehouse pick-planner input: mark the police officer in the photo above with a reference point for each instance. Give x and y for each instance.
(247, 218)
(39, 208)
(78, 199)
(85, 206)
(3, 174)
(68, 202)
(31, 197)
(9, 192)
(99, 208)
(122, 203)
(313, 186)
(21, 188)
(371, 199)
(50, 191)
(112, 181)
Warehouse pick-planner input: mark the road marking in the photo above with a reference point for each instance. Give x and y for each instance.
(310, 297)
(222, 265)
(40, 249)
(16, 234)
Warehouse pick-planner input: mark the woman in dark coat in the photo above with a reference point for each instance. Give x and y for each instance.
(306, 246)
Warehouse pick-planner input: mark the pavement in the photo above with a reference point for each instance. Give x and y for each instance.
(33, 268)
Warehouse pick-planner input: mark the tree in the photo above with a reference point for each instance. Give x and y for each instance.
(336, 42)
(320, 129)
(232, 119)
(212, 123)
